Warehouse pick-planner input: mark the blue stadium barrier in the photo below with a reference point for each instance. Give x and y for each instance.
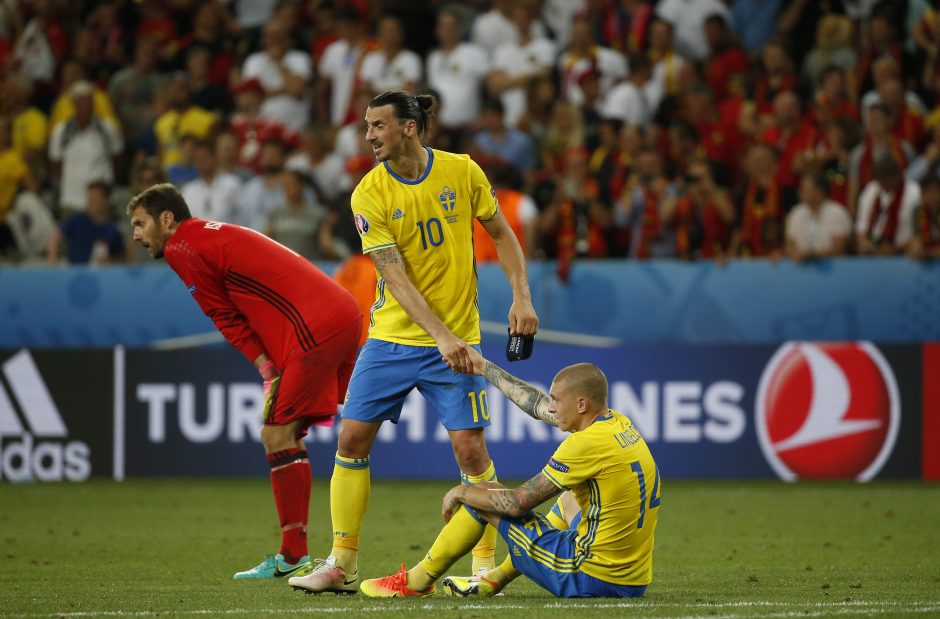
(879, 299)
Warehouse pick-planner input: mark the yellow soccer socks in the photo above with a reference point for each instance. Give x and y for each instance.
(504, 574)
(484, 553)
(350, 488)
(455, 540)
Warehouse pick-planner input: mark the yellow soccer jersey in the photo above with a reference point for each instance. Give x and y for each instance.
(611, 472)
(430, 220)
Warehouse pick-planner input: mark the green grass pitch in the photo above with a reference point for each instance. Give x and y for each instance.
(152, 548)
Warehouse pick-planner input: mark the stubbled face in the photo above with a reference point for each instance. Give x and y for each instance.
(564, 405)
(152, 234)
(384, 132)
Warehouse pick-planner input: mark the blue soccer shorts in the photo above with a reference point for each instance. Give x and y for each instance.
(547, 556)
(386, 372)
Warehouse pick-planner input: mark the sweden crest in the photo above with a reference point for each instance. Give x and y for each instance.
(448, 198)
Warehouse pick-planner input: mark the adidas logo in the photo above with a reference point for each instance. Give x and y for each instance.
(27, 459)
(398, 214)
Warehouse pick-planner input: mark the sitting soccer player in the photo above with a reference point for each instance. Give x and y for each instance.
(597, 541)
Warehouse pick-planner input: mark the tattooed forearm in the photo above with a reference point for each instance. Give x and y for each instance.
(385, 256)
(510, 502)
(537, 490)
(532, 401)
(504, 502)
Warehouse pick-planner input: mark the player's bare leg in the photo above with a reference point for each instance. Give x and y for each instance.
(350, 488)
(290, 480)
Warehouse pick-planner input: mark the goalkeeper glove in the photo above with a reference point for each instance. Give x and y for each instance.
(271, 382)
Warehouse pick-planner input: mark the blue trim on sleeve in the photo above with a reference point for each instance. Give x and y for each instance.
(368, 250)
(554, 481)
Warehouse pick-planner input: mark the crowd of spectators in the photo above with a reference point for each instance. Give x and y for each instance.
(630, 129)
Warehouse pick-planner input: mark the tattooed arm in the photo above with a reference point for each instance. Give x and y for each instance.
(512, 502)
(533, 402)
(388, 262)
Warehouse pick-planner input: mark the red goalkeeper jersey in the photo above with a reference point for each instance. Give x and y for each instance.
(263, 297)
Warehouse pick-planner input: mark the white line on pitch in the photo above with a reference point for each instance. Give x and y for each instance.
(837, 608)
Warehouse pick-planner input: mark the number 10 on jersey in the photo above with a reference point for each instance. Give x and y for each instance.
(431, 232)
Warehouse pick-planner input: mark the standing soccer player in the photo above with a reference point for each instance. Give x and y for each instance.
(597, 541)
(415, 216)
(299, 328)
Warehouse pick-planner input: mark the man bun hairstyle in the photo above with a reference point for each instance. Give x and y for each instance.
(408, 107)
(159, 198)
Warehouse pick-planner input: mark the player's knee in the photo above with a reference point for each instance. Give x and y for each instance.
(278, 438)
(354, 442)
(570, 505)
(471, 457)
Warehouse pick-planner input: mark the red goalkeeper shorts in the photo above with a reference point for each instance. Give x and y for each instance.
(314, 383)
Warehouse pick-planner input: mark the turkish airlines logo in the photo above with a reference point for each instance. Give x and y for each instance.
(827, 411)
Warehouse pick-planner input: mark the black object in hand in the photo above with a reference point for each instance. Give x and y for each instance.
(519, 346)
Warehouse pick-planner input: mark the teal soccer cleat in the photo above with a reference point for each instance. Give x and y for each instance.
(274, 566)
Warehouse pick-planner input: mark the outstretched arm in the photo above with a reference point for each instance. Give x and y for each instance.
(533, 402)
(512, 502)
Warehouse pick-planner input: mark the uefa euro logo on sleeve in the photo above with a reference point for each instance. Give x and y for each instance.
(362, 224)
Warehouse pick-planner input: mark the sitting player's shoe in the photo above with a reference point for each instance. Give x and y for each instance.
(326, 577)
(469, 586)
(394, 586)
(274, 566)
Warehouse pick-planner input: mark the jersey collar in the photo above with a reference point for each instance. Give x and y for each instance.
(427, 170)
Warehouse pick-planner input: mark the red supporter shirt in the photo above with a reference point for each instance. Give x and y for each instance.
(263, 297)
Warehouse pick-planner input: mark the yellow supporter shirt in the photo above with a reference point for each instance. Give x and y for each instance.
(611, 472)
(64, 109)
(430, 220)
(172, 125)
(12, 171)
(30, 131)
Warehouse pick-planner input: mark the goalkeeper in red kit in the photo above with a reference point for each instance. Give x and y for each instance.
(299, 328)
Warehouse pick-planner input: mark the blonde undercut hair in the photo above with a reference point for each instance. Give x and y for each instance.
(585, 380)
